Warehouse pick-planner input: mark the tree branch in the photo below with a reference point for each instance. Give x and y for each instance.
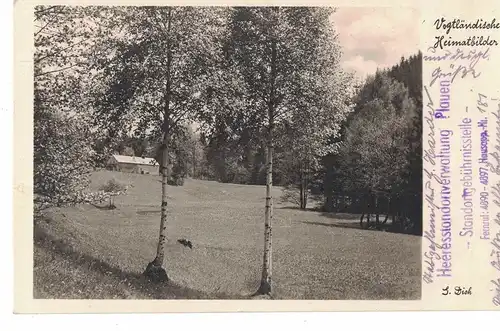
(38, 12)
(147, 103)
(181, 116)
(52, 71)
(62, 50)
(42, 27)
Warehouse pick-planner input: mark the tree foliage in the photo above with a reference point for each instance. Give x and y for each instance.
(380, 149)
(62, 150)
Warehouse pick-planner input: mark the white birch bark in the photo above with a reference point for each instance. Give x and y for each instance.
(162, 240)
(266, 281)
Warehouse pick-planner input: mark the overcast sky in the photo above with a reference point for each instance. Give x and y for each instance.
(376, 37)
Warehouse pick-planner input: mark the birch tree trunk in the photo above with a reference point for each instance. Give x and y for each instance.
(160, 250)
(266, 281)
(303, 191)
(155, 268)
(301, 187)
(194, 161)
(305, 186)
(301, 194)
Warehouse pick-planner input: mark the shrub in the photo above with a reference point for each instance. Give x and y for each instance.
(291, 195)
(61, 159)
(175, 180)
(113, 186)
(111, 189)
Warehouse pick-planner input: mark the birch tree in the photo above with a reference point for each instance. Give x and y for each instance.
(288, 58)
(157, 73)
(306, 140)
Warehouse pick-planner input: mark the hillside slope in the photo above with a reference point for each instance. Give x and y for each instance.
(313, 259)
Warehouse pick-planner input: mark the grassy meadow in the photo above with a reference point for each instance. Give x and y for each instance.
(90, 252)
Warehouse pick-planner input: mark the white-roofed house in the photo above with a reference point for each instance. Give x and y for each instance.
(133, 164)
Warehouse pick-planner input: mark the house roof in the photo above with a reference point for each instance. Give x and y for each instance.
(134, 160)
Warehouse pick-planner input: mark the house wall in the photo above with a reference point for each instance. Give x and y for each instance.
(126, 167)
(134, 168)
(148, 169)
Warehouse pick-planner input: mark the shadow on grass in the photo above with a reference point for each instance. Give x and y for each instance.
(373, 227)
(319, 209)
(148, 212)
(137, 282)
(105, 207)
(341, 216)
(315, 209)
